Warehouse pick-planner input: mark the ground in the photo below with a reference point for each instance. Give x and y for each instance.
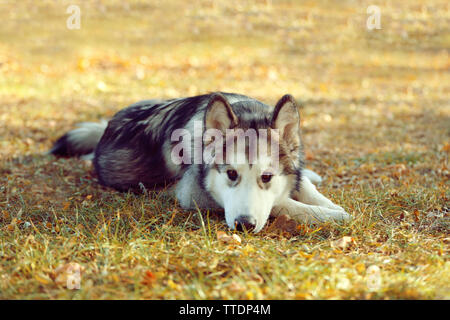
(376, 125)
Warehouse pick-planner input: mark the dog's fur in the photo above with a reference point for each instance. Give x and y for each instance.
(136, 147)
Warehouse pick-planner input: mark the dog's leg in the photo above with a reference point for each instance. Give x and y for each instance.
(305, 213)
(309, 194)
(310, 206)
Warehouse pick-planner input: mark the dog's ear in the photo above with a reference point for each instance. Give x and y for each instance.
(219, 114)
(286, 118)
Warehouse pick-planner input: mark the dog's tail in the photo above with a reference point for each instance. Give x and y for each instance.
(80, 142)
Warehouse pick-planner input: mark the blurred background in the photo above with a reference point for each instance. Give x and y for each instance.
(371, 83)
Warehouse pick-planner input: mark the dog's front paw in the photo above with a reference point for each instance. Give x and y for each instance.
(343, 216)
(334, 206)
(336, 215)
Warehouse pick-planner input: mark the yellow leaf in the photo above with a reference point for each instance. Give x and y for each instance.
(323, 87)
(42, 279)
(446, 147)
(360, 267)
(305, 255)
(5, 215)
(248, 249)
(302, 296)
(172, 285)
(83, 64)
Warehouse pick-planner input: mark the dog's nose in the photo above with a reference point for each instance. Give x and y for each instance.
(246, 222)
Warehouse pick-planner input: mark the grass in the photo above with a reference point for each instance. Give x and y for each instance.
(376, 126)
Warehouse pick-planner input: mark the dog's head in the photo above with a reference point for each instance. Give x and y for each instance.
(257, 163)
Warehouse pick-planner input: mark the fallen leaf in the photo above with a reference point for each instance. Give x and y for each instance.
(5, 215)
(42, 279)
(148, 278)
(284, 223)
(309, 155)
(302, 296)
(236, 238)
(257, 278)
(360, 267)
(236, 287)
(172, 284)
(221, 235)
(343, 243)
(225, 238)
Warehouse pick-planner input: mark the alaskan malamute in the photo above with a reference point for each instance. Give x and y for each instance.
(221, 150)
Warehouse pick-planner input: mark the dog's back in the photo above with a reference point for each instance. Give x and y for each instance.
(135, 146)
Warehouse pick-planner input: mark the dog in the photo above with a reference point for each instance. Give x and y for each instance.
(219, 151)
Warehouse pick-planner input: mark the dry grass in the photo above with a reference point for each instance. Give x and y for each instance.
(376, 122)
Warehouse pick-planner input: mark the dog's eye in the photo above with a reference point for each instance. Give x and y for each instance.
(232, 174)
(266, 177)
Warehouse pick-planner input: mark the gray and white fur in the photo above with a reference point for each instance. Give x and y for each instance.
(135, 148)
